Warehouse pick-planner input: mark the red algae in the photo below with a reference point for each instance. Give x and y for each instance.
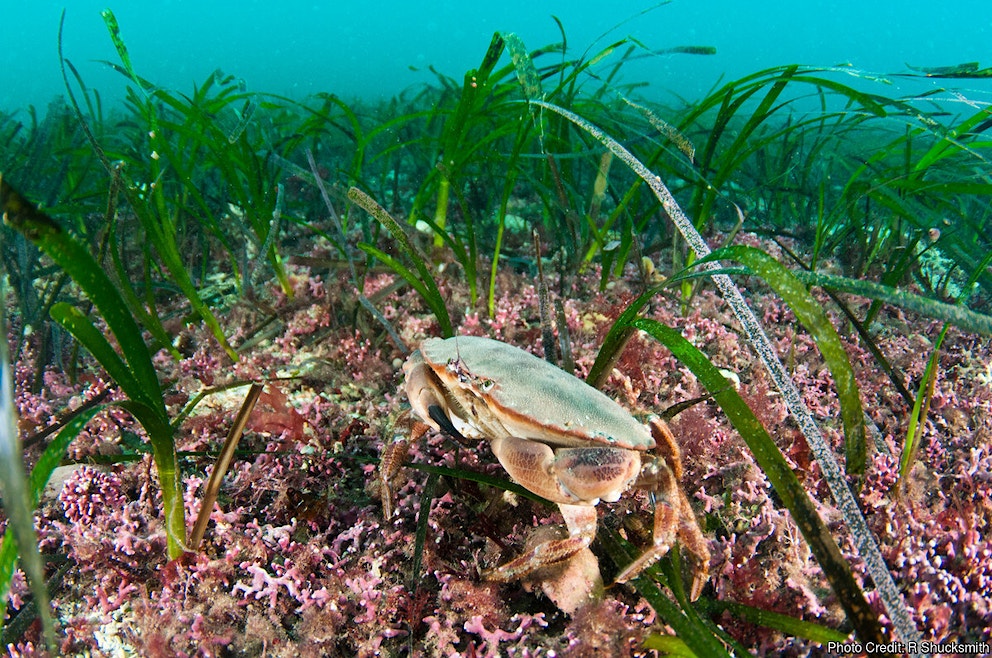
(298, 559)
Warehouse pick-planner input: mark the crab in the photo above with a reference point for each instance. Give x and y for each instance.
(557, 437)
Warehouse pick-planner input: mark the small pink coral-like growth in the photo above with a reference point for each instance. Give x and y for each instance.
(366, 588)
(18, 589)
(363, 363)
(90, 494)
(265, 585)
(492, 638)
(108, 535)
(38, 410)
(23, 650)
(122, 534)
(817, 387)
(509, 322)
(304, 321)
(607, 628)
(204, 364)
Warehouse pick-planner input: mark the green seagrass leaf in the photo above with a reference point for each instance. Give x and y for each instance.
(812, 316)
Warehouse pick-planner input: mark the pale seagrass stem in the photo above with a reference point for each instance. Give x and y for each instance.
(867, 548)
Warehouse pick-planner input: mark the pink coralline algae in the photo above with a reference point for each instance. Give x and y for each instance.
(298, 559)
(89, 494)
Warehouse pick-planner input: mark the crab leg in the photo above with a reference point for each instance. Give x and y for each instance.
(581, 522)
(391, 460)
(671, 517)
(692, 539)
(672, 514)
(658, 478)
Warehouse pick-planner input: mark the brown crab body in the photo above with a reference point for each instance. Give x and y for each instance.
(557, 437)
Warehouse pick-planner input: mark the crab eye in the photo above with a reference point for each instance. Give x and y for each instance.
(486, 385)
(457, 368)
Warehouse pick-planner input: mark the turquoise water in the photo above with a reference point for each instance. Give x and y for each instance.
(376, 49)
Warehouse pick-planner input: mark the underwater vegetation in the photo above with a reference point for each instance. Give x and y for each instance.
(793, 271)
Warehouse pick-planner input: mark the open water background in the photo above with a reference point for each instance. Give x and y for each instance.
(372, 50)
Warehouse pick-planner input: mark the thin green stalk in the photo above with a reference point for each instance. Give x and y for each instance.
(155, 216)
(921, 407)
(423, 282)
(441, 211)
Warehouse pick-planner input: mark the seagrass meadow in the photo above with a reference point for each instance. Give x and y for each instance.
(209, 294)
